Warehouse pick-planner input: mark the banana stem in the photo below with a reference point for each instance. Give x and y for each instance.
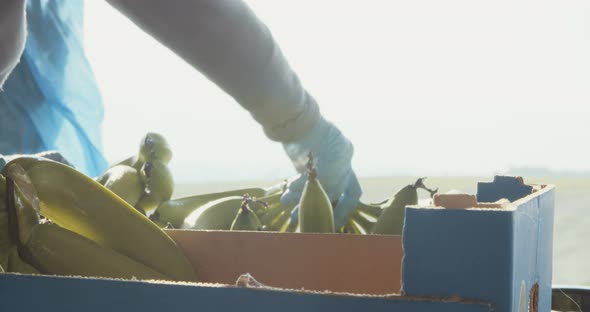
(247, 199)
(310, 167)
(420, 184)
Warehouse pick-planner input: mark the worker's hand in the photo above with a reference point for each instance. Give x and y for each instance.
(332, 154)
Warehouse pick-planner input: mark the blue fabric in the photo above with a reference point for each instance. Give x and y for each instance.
(51, 100)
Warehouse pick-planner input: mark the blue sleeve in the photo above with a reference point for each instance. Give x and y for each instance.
(51, 100)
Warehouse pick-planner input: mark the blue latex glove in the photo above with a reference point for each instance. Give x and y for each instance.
(332, 153)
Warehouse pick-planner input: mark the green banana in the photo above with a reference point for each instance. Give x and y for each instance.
(177, 210)
(315, 209)
(363, 223)
(159, 185)
(291, 227)
(55, 250)
(392, 217)
(125, 182)
(269, 218)
(17, 265)
(131, 161)
(281, 221)
(353, 228)
(215, 215)
(151, 142)
(5, 242)
(80, 204)
(370, 209)
(154, 144)
(246, 219)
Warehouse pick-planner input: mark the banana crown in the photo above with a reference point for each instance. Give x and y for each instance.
(246, 219)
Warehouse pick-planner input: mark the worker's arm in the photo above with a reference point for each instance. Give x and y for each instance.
(226, 42)
(12, 35)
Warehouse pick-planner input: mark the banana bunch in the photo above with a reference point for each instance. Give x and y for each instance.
(90, 224)
(386, 217)
(219, 213)
(51, 249)
(143, 181)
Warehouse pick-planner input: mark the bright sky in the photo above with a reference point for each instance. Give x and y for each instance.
(423, 87)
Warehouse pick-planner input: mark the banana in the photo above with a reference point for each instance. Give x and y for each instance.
(362, 222)
(392, 217)
(5, 242)
(17, 265)
(352, 228)
(159, 185)
(315, 209)
(125, 182)
(281, 221)
(54, 250)
(246, 219)
(273, 216)
(131, 161)
(78, 203)
(372, 210)
(156, 144)
(291, 227)
(215, 215)
(177, 210)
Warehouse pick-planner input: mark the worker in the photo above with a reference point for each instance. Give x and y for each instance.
(50, 100)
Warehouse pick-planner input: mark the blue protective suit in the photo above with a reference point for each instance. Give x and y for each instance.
(50, 100)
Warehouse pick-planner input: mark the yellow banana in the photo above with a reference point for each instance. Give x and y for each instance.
(246, 219)
(177, 210)
(125, 182)
(159, 185)
(392, 217)
(315, 209)
(215, 215)
(80, 204)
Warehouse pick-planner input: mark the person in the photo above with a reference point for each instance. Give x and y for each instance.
(50, 99)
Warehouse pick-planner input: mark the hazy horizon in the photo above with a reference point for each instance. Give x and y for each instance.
(459, 88)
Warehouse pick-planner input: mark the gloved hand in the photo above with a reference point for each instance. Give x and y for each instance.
(332, 153)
